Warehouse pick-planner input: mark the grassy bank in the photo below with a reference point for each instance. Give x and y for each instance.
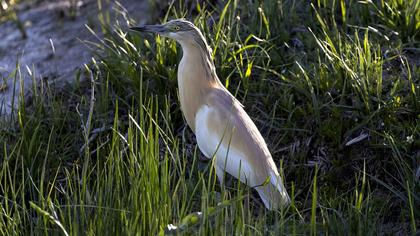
(332, 85)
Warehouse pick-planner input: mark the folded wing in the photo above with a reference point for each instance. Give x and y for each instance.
(225, 131)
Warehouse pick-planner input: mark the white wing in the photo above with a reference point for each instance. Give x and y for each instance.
(218, 146)
(224, 131)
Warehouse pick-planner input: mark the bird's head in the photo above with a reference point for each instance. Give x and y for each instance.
(179, 30)
(185, 33)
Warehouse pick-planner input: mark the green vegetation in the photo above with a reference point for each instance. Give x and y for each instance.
(332, 85)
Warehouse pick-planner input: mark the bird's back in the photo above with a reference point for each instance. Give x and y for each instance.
(245, 135)
(224, 128)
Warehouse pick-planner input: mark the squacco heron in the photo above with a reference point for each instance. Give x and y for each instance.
(223, 129)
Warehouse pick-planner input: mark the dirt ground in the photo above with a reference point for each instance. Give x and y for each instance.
(54, 47)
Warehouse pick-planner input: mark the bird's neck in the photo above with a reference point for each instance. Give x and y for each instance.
(196, 77)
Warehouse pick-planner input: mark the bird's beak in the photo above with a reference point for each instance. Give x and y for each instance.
(159, 29)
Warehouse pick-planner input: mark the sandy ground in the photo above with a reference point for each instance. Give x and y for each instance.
(54, 48)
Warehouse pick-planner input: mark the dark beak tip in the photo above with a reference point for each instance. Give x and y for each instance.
(137, 28)
(159, 29)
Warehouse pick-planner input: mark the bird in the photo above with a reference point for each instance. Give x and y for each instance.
(223, 129)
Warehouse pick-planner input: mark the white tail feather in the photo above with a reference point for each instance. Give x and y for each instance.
(274, 194)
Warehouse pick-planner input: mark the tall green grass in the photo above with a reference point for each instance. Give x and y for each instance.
(336, 101)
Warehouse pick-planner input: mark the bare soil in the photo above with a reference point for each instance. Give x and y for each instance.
(55, 44)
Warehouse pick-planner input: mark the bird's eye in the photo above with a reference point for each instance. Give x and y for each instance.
(177, 28)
